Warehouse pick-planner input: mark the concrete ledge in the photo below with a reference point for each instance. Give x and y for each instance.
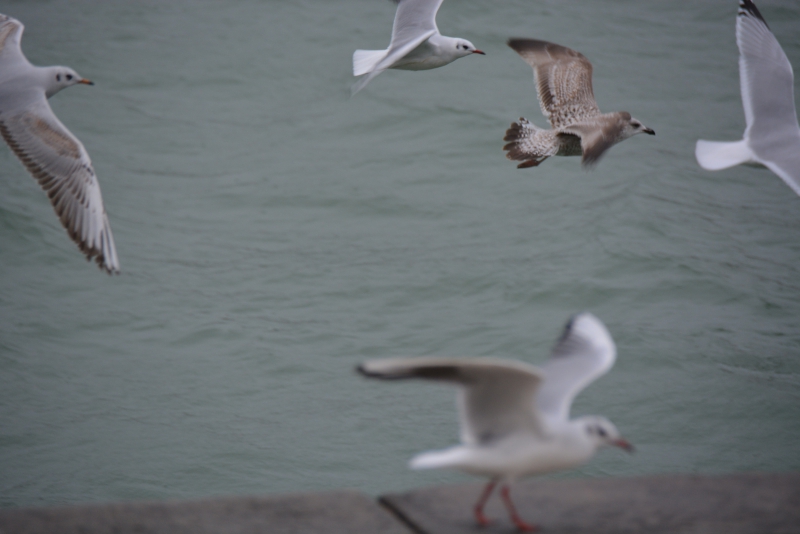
(686, 504)
(343, 512)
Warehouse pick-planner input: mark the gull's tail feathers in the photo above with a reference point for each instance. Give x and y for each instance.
(527, 143)
(451, 457)
(718, 155)
(366, 60)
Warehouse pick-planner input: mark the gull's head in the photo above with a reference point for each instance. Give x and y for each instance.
(59, 78)
(602, 433)
(634, 127)
(465, 48)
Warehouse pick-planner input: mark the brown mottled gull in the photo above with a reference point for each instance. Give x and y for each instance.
(55, 157)
(564, 85)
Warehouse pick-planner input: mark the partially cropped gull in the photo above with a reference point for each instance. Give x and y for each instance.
(513, 416)
(772, 135)
(416, 44)
(55, 157)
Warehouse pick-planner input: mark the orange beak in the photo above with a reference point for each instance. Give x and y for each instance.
(479, 52)
(623, 444)
(85, 81)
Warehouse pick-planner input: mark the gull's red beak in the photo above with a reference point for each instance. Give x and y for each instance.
(479, 52)
(623, 444)
(85, 81)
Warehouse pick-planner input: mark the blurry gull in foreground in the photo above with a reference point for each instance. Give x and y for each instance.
(514, 417)
(564, 85)
(416, 44)
(772, 135)
(55, 157)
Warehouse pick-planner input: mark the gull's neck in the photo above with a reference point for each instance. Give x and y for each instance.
(46, 78)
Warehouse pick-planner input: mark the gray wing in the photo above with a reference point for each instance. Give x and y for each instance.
(767, 85)
(598, 134)
(496, 397)
(10, 49)
(786, 164)
(563, 80)
(767, 81)
(60, 164)
(412, 19)
(584, 352)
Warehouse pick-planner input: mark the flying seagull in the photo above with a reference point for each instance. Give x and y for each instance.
(55, 157)
(772, 135)
(514, 417)
(416, 44)
(564, 84)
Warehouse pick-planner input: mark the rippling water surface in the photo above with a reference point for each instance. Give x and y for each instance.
(273, 233)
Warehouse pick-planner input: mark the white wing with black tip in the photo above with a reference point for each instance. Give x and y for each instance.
(584, 352)
(767, 85)
(496, 397)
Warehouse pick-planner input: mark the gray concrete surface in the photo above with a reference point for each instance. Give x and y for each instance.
(343, 512)
(678, 504)
(686, 504)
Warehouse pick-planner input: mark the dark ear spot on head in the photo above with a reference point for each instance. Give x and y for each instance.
(58, 77)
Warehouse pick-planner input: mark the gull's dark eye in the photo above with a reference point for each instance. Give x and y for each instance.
(69, 76)
(635, 124)
(601, 431)
(58, 77)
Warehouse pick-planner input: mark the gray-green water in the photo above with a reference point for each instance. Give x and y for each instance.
(273, 233)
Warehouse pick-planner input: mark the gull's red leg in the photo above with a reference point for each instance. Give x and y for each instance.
(521, 525)
(487, 491)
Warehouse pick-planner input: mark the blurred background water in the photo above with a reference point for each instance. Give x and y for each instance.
(273, 233)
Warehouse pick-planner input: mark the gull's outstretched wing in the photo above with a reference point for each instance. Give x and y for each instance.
(412, 19)
(496, 397)
(563, 80)
(584, 352)
(60, 164)
(10, 49)
(767, 80)
(767, 85)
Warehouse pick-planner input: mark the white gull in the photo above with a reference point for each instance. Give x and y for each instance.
(416, 44)
(514, 417)
(772, 135)
(55, 157)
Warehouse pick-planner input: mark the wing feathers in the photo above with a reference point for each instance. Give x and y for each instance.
(497, 397)
(412, 18)
(58, 161)
(584, 352)
(767, 81)
(563, 80)
(10, 36)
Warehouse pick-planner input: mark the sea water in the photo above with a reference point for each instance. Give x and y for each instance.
(273, 233)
